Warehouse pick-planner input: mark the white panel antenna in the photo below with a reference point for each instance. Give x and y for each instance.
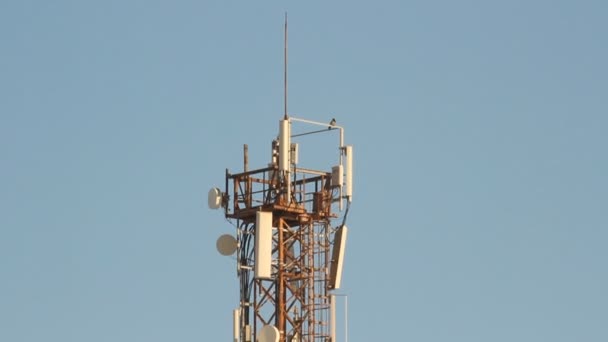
(337, 258)
(285, 154)
(294, 153)
(337, 175)
(247, 333)
(236, 324)
(348, 191)
(263, 245)
(284, 145)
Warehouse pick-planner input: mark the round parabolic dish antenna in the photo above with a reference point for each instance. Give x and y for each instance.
(269, 333)
(226, 244)
(214, 198)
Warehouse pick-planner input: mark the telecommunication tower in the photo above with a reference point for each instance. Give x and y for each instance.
(290, 238)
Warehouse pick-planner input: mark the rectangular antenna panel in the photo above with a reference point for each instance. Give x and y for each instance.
(236, 324)
(294, 153)
(263, 245)
(337, 175)
(337, 258)
(247, 333)
(284, 145)
(348, 192)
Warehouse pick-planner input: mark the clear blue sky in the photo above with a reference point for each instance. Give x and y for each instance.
(480, 130)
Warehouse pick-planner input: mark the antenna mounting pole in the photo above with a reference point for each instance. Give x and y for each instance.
(285, 68)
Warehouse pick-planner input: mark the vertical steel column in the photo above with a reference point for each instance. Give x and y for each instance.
(281, 279)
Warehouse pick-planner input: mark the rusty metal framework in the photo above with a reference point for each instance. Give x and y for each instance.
(296, 299)
(286, 212)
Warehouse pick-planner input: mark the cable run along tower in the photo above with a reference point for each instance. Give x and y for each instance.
(290, 236)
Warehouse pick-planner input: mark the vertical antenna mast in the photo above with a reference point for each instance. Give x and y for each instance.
(285, 67)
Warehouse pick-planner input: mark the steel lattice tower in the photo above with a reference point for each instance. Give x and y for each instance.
(289, 250)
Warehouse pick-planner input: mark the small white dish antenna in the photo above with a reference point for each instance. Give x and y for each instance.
(226, 244)
(214, 198)
(269, 333)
